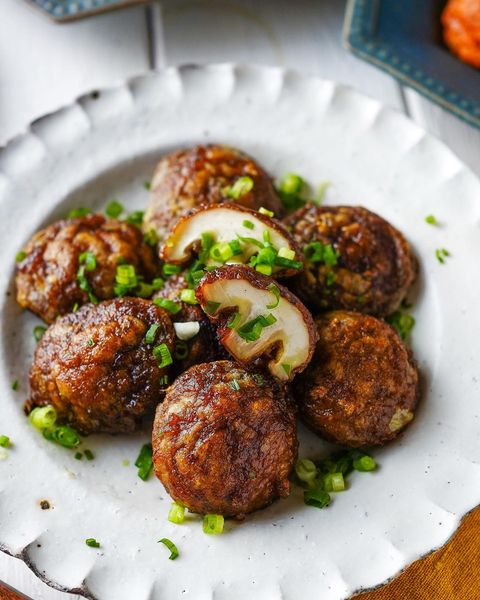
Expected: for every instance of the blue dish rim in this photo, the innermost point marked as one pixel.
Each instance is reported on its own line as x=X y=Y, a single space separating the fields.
x=359 y=38
x=59 y=11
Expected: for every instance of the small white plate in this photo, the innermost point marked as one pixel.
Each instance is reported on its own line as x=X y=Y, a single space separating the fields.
x=106 y=146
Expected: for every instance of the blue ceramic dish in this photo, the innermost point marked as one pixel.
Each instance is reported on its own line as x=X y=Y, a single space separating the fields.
x=69 y=10
x=404 y=38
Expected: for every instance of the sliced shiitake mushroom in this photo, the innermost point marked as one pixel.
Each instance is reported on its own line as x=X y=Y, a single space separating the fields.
x=232 y=234
x=258 y=320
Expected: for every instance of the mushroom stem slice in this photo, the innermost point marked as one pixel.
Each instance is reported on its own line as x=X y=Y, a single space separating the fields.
x=237 y=233
x=258 y=319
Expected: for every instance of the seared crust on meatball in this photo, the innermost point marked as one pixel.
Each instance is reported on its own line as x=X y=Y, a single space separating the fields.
x=374 y=267
x=224 y=440
x=96 y=368
x=203 y=347
x=200 y=175
x=362 y=385
x=46 y=279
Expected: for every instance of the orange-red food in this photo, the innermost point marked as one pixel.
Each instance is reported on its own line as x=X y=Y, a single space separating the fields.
x=461 y=29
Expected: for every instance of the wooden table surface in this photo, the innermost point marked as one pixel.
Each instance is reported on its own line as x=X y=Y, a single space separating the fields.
x=44 y=65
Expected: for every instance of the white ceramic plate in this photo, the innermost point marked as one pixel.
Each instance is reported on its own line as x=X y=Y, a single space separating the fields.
x=106 y=146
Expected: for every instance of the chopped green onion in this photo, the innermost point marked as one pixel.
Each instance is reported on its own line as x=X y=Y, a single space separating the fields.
x=169 y=305
x=252 y=330
x=402 y=322
x=334 y=482
x=89 y=454
x=250 y=240
x=213 y=524
x=169 y=269
x=273 y=289
x=235 y=385
x=290 y=190
x=64 y=436
x=264 y=269
x=87 y=262
x=171 y=546
x=79 y=212
x=287 y=253
x=235 y=247
x=114 y=209
x=441 y=254
x=314 y=251
x=211 y=307
x=150 y=335
x=15 y=385
x=163 y=381
x=20 y=256
x=221 y=252
x=306 y=470
x=75 y=307
x=78 y=456
x=43 y=417
x=242 y=186
x=91 y=342
x=234 y=320
x=163 y=353
x=135 y=218
x=330 y=256
x=248 y=224
x=291 y=183
x=208 y=240
x=5 y=441
x=364 y=463
x=287 y=368
x=431 y=220
x=147 y=185
x=181 y=350
x=330 y=278
x=264 y=211
x=151 y=238
x=196 y=276
x=126 y=275
x=92 y=543
x=188 y=296
x=176 y=513
x=287 y=263
x=144 y=462
x=317 y=497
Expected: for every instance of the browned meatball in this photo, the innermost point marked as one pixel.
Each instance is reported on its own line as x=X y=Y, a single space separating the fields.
x=97 y=369
x=47 y=279
x=362 y=262
x=202 y=347
x=362 y=385
x=200 y=175
x=224 y=440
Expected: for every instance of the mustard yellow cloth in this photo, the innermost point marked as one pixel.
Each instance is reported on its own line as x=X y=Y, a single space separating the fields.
x=450 y=573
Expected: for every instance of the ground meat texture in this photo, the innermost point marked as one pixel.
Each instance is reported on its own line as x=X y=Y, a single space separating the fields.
x=46 y=279
x=96 y=368
x=223 y=450
x=203 y=347
x=375 y=267
x=188 y=178
x=362 y=385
